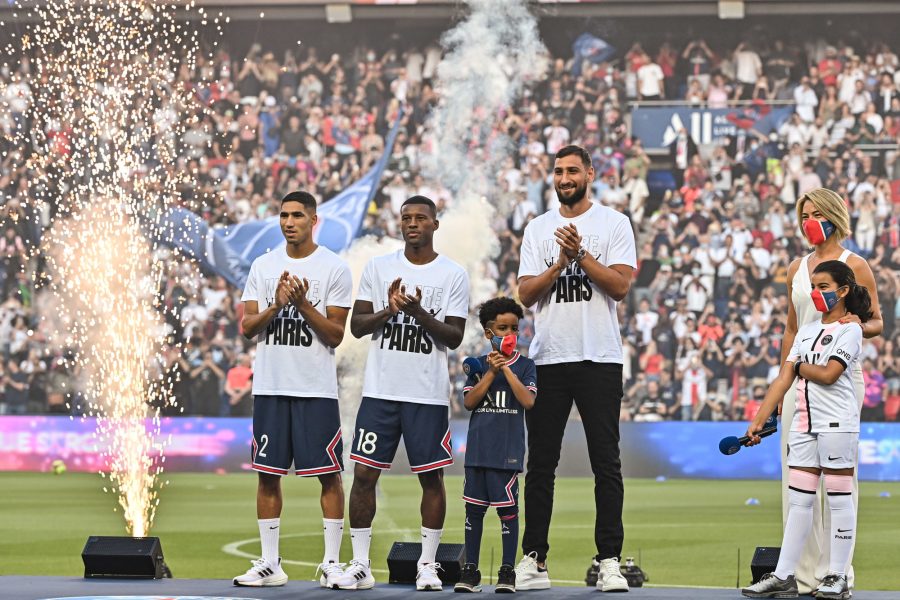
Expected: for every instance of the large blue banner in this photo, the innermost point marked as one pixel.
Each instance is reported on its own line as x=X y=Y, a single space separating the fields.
x=657 y=126
x=672 y=449
x=229 y=251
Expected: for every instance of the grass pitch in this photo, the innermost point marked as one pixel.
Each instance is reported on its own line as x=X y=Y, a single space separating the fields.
x=686 y=532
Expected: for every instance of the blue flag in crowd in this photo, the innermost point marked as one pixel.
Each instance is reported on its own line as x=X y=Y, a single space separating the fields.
x=590 y=47
x=230 y=251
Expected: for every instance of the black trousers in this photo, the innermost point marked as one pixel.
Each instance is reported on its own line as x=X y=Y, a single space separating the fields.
x=597 y=392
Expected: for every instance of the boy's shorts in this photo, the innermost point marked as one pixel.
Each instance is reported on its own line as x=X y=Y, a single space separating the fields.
x=491 y=487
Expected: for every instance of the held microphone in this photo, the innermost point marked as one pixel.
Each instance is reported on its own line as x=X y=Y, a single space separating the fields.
x=731 y=444
x=472 y=366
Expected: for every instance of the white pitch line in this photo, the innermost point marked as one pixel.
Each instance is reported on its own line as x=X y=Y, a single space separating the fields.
x=233 y=548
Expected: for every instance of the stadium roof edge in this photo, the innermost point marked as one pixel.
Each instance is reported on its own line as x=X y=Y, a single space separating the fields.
x=430 y=9
x=447 y=9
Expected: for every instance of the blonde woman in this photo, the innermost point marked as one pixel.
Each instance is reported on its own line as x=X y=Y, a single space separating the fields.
x=825 y=223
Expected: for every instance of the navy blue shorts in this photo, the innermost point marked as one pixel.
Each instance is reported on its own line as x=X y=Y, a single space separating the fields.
x=301 y=432
x=491 y=487
x=425 y=429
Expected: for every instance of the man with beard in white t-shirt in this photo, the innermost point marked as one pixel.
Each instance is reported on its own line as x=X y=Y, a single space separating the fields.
x=296 y=302
x=577 y=263
x=413 y=305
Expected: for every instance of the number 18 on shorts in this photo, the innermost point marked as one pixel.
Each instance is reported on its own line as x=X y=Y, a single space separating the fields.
x=425 y=429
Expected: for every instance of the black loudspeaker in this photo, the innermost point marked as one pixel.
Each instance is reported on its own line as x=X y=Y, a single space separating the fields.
x=765 y=559
x=124 y=557
x=403 y=561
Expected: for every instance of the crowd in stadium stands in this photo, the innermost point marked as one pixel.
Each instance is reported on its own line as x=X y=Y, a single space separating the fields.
x=703 y=322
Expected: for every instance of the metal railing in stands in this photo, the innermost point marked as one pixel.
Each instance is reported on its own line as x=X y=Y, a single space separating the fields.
x=632 y=104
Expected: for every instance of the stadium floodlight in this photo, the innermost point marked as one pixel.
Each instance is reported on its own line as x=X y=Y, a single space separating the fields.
x=124 y=557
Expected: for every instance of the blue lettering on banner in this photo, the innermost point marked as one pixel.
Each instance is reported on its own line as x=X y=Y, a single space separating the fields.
x=657 y=126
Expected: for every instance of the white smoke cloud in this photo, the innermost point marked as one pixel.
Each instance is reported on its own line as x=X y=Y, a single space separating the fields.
x=489 y=58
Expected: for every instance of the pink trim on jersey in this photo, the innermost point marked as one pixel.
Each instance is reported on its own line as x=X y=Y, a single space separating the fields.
x=842 y=484
x=801 y=410
x=826 y=331
x=803 y=480
x=514 y=358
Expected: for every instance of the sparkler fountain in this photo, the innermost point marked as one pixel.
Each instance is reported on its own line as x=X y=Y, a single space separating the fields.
x=98 y=142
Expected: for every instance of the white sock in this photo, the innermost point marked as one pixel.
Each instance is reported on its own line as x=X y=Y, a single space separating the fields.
x=269 y=529
x=843 y=525
x=431 y=538
x=361 y=538
x=334 y=531
x=799 y=524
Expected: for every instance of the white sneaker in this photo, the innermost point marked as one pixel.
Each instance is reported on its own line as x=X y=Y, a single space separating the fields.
x=610 y=578
x=833 y=587
x=358 y=576
x=427 y=579
x=331 y=574
x=262 y=574
x=529 y=576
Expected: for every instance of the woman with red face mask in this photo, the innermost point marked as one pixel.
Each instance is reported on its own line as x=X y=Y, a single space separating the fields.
x=825 y=223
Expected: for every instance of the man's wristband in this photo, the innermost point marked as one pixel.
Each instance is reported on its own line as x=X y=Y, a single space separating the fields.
x=797 y=368
x=580 y=256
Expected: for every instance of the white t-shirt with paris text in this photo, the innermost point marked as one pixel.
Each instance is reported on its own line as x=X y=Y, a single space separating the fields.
x=835 y=407
x=404 y=362
x=576 y=320
x=291 y=360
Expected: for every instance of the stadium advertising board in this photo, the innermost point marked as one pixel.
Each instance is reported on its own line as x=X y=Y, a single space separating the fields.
x=670 y=449
x=657 y=126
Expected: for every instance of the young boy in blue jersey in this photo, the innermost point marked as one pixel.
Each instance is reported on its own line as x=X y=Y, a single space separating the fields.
x=499 y=388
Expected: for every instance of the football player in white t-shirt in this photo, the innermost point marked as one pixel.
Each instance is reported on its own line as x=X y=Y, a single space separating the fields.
x=576 y=263
x=296 y=302
x=824 y=434
x=413 y=305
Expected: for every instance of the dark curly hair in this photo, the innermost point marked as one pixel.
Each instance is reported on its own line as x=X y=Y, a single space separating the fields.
x=488 y=311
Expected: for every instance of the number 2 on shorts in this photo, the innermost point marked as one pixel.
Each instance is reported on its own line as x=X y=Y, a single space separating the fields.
x=265 y=442
x=366 y=443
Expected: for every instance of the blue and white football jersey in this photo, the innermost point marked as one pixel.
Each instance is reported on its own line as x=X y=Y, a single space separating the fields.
x=496 y=438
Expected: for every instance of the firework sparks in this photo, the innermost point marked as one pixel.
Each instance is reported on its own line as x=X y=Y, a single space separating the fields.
x=98 y=143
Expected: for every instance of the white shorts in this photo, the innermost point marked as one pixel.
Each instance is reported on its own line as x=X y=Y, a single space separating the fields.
x=827 y=450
